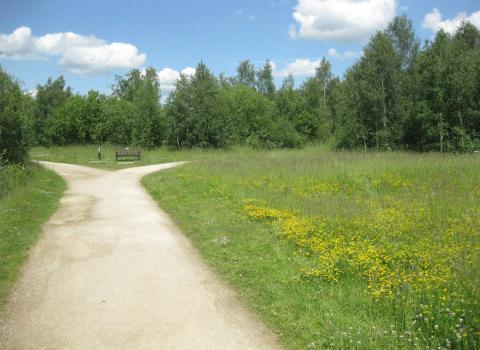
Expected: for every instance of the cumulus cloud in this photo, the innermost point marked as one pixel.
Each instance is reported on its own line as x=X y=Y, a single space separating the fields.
x=434 y=22
x=17 y=45
x=168 y=77
x=97 y=59
x=58 y=43
x=341 y=20
x=333 y=53
x=77 y=53
x=299 y=67
x=188 y=71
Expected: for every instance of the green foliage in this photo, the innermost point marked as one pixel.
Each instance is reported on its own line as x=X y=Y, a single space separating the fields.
x=246 y=74
x=117 y=122
x=196 y=112
x=14 y=113
x=402 y=97
x=143 y=92
x=249 y=111
x=67 y=120
x=265 y=84
x=48 y=99
x=373 y=82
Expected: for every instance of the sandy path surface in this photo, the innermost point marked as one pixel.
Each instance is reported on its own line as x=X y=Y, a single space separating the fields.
x=111 y=271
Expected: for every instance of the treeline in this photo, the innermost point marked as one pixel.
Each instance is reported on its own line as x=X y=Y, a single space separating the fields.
x=398 y=95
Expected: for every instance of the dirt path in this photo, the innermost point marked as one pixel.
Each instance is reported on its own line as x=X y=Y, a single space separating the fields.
x=112 y=272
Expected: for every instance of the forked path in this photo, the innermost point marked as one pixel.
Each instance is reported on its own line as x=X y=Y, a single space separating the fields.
x=111 y=271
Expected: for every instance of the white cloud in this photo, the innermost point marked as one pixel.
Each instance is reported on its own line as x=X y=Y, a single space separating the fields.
x=168 y=77
x=78 y=53
x=343 y=20
x=17 y=45
x=188 y=71
x=97 y=59
x=58 y=43
x=299 y=67
x=434 y=22
x=333 y=53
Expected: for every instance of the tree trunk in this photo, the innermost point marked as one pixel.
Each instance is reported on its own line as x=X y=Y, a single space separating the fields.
x=441 y=134
x=463 y=129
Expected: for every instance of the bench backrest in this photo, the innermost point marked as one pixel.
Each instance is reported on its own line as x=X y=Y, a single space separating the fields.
x=127 y=152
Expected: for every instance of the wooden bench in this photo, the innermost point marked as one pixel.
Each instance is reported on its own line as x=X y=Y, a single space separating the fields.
x=127 y=154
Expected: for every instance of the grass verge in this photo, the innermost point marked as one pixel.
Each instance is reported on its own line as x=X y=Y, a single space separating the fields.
x=30 y=196
x=340 y=250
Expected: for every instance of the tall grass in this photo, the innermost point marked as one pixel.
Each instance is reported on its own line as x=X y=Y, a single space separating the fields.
x=12 y=177
x=341 y=250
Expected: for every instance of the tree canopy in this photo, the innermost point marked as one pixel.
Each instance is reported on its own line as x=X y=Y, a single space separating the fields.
x=397 y=95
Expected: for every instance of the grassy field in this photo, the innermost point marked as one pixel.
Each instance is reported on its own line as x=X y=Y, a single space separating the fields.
x=340 y=250
x=87 y=155
x=28 y=196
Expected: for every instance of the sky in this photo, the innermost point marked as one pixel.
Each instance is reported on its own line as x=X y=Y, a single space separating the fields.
x=89 y=42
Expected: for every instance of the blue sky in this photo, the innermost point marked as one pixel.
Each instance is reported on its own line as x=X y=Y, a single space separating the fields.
x=79 y=39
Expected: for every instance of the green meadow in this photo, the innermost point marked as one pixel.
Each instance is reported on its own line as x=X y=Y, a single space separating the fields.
x=340 y=249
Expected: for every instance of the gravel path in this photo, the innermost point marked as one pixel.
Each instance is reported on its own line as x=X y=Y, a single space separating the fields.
x=111 y=271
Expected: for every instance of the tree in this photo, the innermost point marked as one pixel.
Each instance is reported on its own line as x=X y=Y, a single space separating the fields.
x=64 y=128
x=178 y=111
x=352 y=130
x=374 y=93
x=211 y=125
x=246 y=74
x=265 y=84
x=464 y=88
x=13 y=113
x=48 y=99
x=250 y=114
x=196 y=112
x=143 y=91
x=292 y=109
x=406 y=44
x=127 y=87
x=316 y=119
x=323 y=75
x=117 y=124
x=287 y=100
x=435 y=70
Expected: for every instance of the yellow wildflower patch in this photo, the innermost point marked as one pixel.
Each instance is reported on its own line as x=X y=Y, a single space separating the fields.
x=385 y=250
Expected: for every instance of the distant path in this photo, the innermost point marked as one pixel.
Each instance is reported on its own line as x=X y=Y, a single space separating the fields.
x=111 y=271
